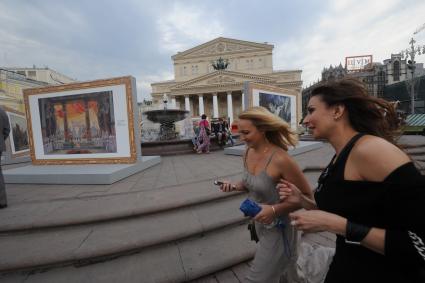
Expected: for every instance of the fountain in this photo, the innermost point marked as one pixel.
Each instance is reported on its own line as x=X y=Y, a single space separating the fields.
x=166 y=140
x=167 y=119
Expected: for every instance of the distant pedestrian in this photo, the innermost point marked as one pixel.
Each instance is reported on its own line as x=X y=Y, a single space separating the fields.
x=228 y=133
x=195 y=138
x=220 y=132
x=5 y=130
x=204 y=135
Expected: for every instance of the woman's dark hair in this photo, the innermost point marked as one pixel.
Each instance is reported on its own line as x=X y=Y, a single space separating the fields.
x=203 y=117
x=367 y=114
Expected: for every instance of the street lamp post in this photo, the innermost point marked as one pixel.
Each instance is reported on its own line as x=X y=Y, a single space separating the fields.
x=411 y=65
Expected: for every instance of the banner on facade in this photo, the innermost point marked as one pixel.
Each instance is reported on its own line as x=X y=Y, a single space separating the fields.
x=358 y=63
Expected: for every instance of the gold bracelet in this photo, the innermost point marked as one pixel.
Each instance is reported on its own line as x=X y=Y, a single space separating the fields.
x=274 y=211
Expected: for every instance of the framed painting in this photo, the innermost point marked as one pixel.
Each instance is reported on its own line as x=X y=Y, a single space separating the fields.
x=279 y=101
x=83 y=123
x=18 y=137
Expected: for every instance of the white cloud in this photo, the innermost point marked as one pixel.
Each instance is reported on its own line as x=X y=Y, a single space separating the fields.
x=184 y=26
x=144 y=89
x=349 y=28
x=180 y=28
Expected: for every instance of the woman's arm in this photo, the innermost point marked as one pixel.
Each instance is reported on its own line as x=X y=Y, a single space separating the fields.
x=293 y=182
x=289 y=193
x=289 y=170
x=318 y=221
x=239 y=186
x=406 y=244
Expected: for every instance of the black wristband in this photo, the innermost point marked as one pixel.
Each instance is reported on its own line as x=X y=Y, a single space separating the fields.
x=355 y=233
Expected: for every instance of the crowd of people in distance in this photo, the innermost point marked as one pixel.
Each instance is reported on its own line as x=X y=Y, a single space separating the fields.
x=219 y=129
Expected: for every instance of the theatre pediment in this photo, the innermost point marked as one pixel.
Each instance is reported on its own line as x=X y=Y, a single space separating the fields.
x=222 y=46
x=221 y=78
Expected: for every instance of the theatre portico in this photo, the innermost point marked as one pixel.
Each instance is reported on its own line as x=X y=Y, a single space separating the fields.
x=202 y=88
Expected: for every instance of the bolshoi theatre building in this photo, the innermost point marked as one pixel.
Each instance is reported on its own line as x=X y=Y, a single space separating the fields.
x=202 y=87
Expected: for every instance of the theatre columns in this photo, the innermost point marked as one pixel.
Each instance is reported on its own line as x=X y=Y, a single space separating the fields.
x=201 y=104
x=230 y=106
x=243 y=100
x=186 y=103
x=173 y=102
x=215 y=105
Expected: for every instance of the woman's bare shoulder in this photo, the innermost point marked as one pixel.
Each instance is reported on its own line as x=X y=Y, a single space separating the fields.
x=375 y=155
x=282 y=157
x=376 y=147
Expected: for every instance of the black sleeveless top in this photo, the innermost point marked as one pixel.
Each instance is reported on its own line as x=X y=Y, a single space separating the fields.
x=370 y=204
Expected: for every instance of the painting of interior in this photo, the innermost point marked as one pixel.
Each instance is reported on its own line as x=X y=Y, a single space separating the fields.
x=78 y=124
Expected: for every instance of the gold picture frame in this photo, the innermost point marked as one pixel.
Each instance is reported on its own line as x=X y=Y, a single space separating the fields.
x=272 y=98
x=83 y=123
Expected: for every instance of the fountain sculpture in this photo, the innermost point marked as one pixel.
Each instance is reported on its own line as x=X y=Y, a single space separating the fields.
x=167 y=119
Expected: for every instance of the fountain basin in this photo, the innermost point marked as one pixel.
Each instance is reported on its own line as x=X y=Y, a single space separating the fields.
x=166 y=115
x=175 y=147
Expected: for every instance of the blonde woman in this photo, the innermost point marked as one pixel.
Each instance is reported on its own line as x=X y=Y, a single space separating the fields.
x=266 y=161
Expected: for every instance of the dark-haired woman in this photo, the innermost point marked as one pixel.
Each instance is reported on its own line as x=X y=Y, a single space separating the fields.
x=370 y=195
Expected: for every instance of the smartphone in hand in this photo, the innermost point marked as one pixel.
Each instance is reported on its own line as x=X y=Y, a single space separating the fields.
x=219 y=183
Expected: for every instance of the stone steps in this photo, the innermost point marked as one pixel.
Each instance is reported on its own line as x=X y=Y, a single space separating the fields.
x=193 y=240
x=100 y=208
x=418 y=151
x=89 y=242
x=175 y=261
x=234 y=274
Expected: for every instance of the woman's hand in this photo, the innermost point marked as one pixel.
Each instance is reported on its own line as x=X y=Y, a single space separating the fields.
x=288 y=192
x=227 y=187
x=266 y=214
x=317 y=221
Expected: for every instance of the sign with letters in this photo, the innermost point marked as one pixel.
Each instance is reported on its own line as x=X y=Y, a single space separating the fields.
x=358 y=63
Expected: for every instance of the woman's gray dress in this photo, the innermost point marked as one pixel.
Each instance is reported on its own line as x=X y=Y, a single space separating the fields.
x=276 y=253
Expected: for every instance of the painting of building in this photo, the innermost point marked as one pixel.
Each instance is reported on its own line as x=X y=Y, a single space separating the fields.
x=18 y=142
x=19 y=133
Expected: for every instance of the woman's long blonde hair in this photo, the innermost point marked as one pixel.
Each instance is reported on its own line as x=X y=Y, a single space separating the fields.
x=277 y=131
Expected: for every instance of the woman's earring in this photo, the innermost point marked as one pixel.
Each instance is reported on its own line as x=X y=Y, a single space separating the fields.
x=336 y=118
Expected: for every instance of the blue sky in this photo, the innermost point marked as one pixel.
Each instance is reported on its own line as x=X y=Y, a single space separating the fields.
x=96 y=39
